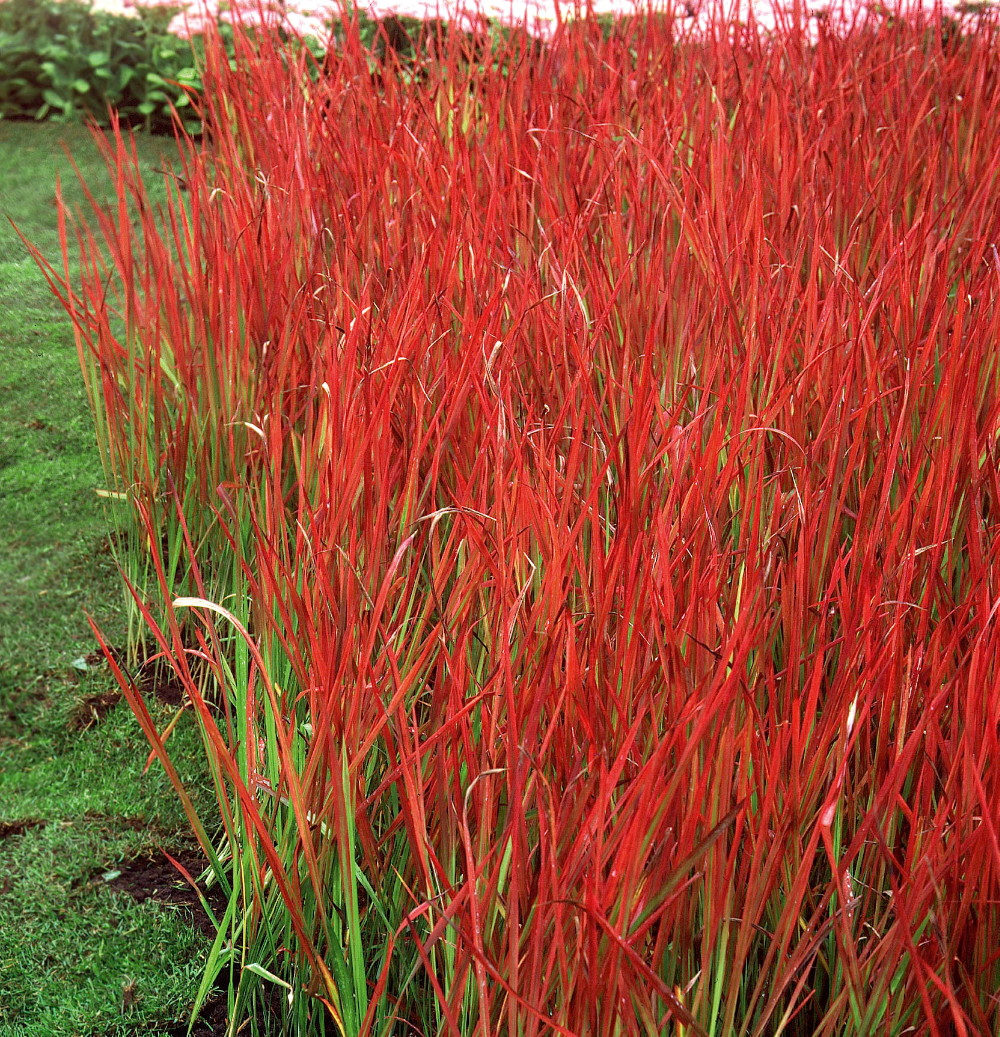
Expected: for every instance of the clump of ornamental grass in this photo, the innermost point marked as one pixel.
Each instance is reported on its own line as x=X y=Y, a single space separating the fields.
x=578 y=472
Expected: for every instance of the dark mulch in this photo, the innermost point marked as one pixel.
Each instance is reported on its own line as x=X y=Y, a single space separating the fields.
x=154 y=677
x=19 y=827
x=8 y=830
x=157 y=679
x=211 y=1022
x=153 y=877
x=94 y=708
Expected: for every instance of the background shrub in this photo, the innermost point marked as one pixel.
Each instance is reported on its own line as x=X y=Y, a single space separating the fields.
x=59 y=59
x=62 y=60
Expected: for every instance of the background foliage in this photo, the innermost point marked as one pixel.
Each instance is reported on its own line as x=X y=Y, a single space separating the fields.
x=60 y=59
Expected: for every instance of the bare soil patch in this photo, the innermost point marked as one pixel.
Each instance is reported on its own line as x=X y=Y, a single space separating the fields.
x=19 y=827
x=153 y=876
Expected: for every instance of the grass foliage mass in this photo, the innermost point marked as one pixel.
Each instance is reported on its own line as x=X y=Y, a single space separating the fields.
x=566 y=487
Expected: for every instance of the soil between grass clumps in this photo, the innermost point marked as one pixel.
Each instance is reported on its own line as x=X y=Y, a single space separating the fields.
x=153 y=876
x=94 y=708
x=157 y=678
x=212 y=1021
x=12 y=828
x=154 y=677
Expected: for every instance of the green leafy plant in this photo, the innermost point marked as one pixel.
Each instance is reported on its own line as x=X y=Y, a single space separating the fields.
x=60 y=59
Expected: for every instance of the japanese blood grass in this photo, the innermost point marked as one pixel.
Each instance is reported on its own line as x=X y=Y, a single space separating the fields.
x=582 y=472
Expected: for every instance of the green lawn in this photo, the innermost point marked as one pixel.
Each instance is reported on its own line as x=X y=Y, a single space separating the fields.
x=77 y=956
